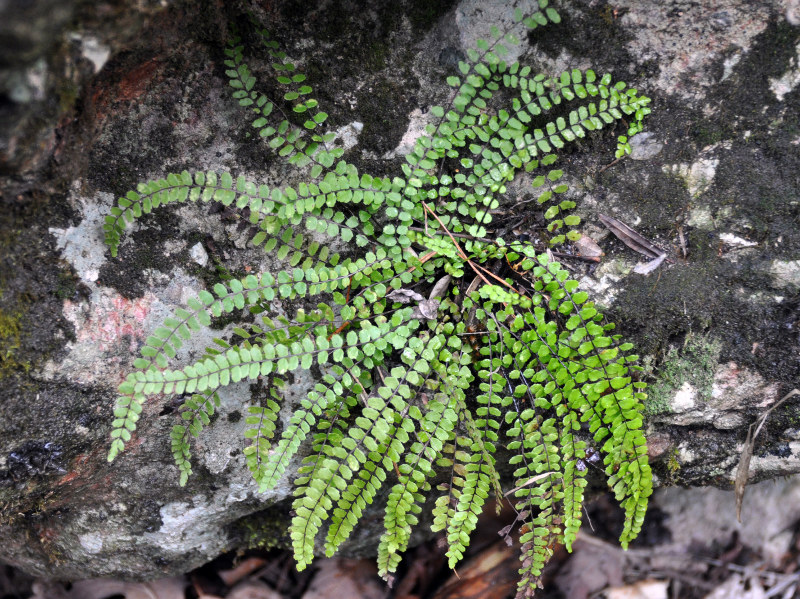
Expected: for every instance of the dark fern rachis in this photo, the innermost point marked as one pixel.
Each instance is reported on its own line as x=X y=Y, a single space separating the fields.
x=395 y=404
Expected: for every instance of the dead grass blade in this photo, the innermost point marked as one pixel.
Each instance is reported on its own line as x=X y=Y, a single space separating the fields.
x=743 y=470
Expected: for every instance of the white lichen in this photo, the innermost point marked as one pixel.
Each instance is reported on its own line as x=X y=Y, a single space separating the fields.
x=784 y=84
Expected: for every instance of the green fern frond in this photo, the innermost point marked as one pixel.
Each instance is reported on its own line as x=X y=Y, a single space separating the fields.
x=196 y=412
x=434 y=430
x=300 y=145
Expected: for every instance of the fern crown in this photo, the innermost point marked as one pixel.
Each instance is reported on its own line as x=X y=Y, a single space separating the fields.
x=438 y=346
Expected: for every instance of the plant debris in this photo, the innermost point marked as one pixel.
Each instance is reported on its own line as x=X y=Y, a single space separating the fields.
x=631 y=238
x=743 y=471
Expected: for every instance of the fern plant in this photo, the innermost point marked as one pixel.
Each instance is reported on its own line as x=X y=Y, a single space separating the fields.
x=417 y=393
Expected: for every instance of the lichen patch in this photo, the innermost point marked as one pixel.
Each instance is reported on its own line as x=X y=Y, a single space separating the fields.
x=784 y=84
x=785 y=273
x=82 y=245
x=687 y=42
x=685 y=398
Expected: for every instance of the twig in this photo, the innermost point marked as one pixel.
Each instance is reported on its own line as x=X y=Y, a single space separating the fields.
x=492 y=241
x=631 y=238
x=694 y=581
x=475 y=267
x=743 y=470
x=682 y=240
x=528 y=482
x=778 y=582
x=609 y=165
x=459 y=235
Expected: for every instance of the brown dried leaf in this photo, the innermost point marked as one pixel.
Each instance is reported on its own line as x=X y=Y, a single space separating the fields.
x=588 y=248
x=253 y=589
x=342 y=578
x=591 y=568
x=241 y=570
x=630 y=237
x=164 y=588
x=641 y=589
x=424 y=566
x=505 y=533
x=492 y=574
x=737 y=586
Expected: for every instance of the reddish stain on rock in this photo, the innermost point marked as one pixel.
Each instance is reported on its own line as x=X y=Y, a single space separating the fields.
x=133 y=84
x=112 y=318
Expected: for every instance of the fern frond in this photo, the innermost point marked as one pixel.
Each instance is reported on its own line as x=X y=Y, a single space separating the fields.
x=435 y=428
x=335 y=390
x=250 y=361
x=362 y=488
x=508 y=142
x=196 y=413
x=316 y=494
x=309 y=206
x=262 y=420
x=299 y=145
x=540 y=488
x=473 y=476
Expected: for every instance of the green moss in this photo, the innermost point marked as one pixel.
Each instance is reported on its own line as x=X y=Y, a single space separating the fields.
x=67 y=285
x=10 y=337
x=706 y=133
x=376 y=56
x=67 y=95
x=695 y=364
x=673 y=464
x=264 y=530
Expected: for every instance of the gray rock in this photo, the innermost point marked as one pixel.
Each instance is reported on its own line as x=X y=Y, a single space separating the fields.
x=709 y=516
x=645 y=146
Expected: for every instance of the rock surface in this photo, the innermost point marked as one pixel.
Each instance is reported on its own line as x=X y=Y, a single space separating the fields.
x=718 y=327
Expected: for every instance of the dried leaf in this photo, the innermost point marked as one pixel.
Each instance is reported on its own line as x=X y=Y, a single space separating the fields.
x=630 y=237
x=424 y=572
x=342 y=578
x=492 y=574
x=440 y=288
x=642 y=589
x=164 y=588
x=645 y=268
x=740 y=587
x=404 y=296
x=253 y=589
x=587 y=247
x=591 y=568
x=427 y=309
x=241 y=570
x=682 y=240
x=505 y=533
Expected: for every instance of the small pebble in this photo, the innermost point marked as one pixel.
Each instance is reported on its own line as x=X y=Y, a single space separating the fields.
x=645 y=146
x=198 y=254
